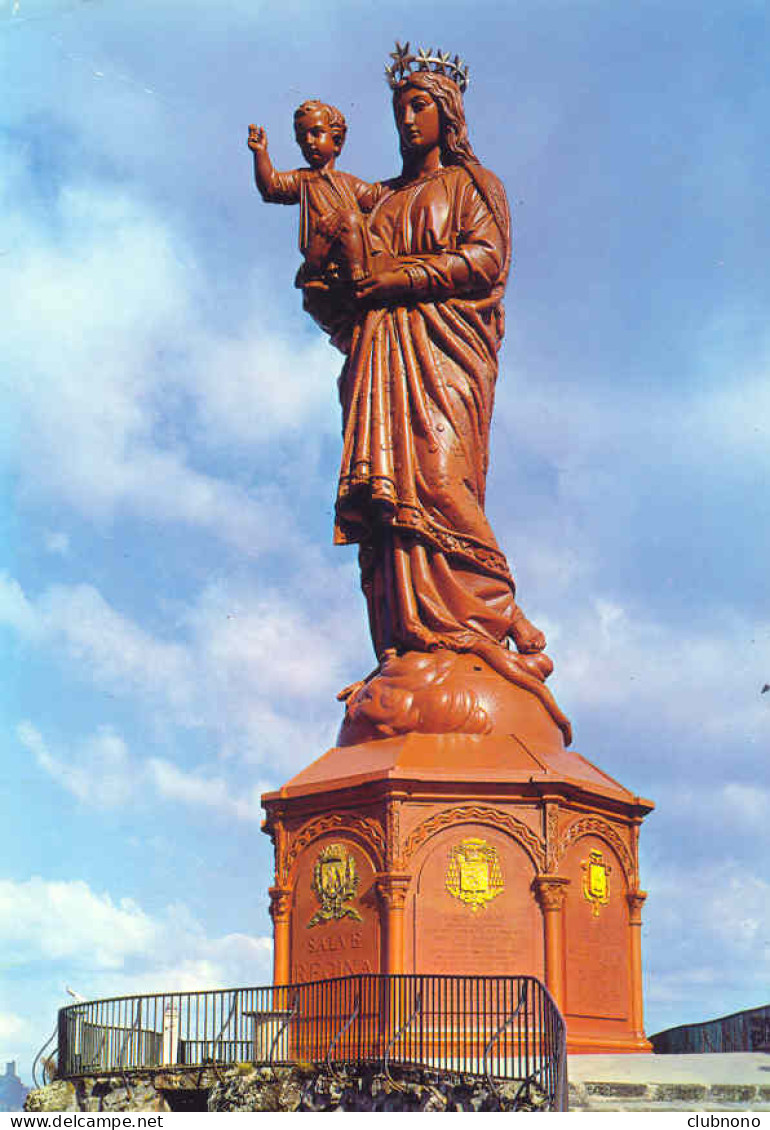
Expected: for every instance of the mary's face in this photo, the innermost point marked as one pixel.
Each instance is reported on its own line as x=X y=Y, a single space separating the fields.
x=417 y=119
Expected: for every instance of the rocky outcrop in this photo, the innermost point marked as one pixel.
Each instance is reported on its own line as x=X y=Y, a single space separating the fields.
x=360 y=1089
x=249 y=1088
x=98 y=1094
x=59 y=1095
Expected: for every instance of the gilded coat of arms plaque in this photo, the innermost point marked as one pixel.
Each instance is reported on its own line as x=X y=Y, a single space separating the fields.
x=335 y=883
x=474 y=875
x=596 y=881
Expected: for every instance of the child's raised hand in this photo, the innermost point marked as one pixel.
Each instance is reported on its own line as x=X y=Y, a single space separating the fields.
x=257 y=139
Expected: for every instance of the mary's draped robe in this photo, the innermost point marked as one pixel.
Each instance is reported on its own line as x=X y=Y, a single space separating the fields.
x=417 y=393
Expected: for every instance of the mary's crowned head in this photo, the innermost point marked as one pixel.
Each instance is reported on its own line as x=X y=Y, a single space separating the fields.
x=443 y=82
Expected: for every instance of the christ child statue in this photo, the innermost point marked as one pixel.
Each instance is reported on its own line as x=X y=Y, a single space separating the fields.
x=332 y=233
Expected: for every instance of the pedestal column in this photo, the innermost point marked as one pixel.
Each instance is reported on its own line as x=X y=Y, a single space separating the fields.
x=551 y=891
x=636 y=901
x=280 y=912
x=392 y=888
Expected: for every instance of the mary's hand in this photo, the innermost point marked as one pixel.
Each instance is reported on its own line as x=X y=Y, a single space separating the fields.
x=385 y=287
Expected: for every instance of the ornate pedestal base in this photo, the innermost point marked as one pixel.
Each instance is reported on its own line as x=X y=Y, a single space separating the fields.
x=473 y=853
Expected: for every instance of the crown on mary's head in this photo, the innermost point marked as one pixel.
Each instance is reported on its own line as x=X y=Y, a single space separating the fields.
x=406 y=63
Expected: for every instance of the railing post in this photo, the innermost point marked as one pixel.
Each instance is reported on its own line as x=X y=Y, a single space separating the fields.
x=170 y=1033
x=64 y=1043
x=280 y=912
x=551 y=891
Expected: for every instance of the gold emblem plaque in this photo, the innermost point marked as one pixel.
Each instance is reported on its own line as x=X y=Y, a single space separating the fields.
x=474 y=875
x=335 y=883
x=596 y=881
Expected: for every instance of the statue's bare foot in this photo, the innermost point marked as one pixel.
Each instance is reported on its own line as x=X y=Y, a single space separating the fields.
x=526 y=636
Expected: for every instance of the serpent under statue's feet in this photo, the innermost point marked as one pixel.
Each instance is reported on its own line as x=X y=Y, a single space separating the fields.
x=512 y=664
x=489 y=690
x=525 y=635
x=539 y=664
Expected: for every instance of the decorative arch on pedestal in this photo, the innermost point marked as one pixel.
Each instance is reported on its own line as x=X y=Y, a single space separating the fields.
x=472 y=868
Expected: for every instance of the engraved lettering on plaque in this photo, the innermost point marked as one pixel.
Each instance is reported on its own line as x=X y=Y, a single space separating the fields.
x=474 y=875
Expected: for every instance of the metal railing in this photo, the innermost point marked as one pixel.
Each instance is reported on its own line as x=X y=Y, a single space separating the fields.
x=506 y=1029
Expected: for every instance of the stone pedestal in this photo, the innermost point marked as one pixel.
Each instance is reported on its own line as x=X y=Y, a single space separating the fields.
x=497 y=852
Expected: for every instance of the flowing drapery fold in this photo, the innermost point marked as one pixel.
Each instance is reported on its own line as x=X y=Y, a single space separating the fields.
x=417 y=394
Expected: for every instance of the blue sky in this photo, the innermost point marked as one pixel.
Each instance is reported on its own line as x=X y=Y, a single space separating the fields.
x=175 y=622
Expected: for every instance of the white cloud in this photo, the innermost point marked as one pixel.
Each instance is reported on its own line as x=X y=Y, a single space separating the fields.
x=749 y=805
x=595 y=441
x=68 y=923
x=112 y=647
x=742 y=808
x=65 y=933
x=708 y=941
x=16 y=611
x=53 y=921
x=102 y=773
x=232 y=961
x=105 y=340
x=259 y=672
x=296 y=651
x=11 y=1026
x=205 y=791
x=56 y=541
x=259 y=386
x=611 y=656
x=557 y=569
x=735 y=419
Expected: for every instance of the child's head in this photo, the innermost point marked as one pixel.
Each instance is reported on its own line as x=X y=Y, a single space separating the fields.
x=320 y=131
